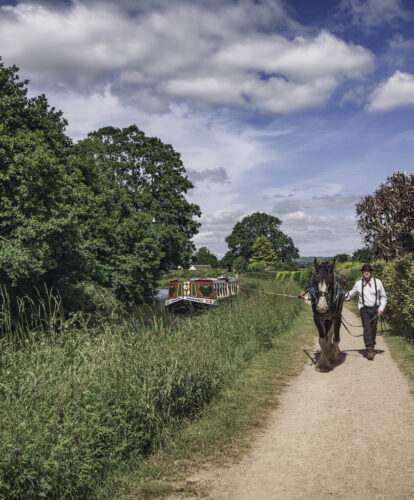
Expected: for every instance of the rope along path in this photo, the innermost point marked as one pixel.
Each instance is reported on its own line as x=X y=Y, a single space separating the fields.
x=343 y=321
x=271 y=293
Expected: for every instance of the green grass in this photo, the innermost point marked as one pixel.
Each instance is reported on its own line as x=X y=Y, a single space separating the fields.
x=403 y=353
x=227 y=426
x=83 y=403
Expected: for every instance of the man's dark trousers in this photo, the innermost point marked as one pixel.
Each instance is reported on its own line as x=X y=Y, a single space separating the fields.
x=369 y=317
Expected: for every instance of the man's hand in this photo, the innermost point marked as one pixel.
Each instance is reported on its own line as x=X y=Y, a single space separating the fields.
x=379 y=313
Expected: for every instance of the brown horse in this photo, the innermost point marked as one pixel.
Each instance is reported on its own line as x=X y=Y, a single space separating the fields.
x=327 y=290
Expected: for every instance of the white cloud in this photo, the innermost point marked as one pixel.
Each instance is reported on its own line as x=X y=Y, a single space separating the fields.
x=215 y=227
x=207 y=55
x=396 y=92
x=321 y=234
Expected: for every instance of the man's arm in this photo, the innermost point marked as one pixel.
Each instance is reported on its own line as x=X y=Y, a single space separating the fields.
x=350 y=295
x=383 y=298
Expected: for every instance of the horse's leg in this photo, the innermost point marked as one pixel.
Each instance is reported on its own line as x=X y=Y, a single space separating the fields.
x=323 y=364
x=335 y=351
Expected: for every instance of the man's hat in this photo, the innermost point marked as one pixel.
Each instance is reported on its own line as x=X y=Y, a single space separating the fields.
x=366 y=267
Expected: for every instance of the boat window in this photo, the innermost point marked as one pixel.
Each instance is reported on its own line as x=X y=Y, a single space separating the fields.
x=193 y=290
x=180 y=290
x=171 y=291
x=206 y=290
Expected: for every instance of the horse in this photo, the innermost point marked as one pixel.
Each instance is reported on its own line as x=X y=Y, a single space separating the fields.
x=327 y=290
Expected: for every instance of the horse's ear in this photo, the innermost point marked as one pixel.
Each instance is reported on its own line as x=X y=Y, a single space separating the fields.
x=316 y=264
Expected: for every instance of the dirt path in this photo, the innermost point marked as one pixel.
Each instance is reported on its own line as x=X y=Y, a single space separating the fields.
x=346 y=434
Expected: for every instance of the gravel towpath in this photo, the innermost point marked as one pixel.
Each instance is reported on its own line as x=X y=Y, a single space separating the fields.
x=345 y=434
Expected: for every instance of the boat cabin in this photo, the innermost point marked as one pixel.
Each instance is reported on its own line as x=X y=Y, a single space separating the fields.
x=200 y=292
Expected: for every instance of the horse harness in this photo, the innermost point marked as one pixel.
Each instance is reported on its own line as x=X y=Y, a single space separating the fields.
x=339 y=287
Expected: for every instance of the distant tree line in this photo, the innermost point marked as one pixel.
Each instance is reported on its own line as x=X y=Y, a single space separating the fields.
x=255 y=239
x=110 y=208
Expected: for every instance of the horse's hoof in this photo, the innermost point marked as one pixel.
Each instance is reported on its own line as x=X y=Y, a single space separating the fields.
x=336 y=356
x=325 y=367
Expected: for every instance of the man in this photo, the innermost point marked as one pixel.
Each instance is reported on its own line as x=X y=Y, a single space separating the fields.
x=371 y=303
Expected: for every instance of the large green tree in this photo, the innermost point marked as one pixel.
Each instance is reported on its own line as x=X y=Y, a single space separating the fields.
x=246 y=232
x=136 y=212
x=39 y=235
x=203 y=256
x=386 y=218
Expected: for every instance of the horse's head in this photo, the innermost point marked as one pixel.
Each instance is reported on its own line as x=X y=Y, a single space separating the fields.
x=322 y=286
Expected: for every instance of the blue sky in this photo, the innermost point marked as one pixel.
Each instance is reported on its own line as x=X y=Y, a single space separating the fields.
x=293 y=108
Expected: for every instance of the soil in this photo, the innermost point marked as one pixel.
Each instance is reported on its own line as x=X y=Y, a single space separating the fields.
x=344 y=434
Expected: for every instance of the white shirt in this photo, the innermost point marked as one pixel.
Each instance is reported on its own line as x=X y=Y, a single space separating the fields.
x=369 y=293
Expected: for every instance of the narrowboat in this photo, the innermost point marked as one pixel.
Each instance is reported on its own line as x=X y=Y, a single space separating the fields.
x=200 y=293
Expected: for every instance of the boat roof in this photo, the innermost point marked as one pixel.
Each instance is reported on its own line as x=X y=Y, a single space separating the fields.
x=220 y=279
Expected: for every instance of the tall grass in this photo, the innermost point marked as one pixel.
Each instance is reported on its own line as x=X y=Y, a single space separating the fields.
x=74 y=409
x=25 y=320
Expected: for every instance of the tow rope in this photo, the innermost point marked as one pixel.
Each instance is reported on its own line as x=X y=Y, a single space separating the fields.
x=381 y=332
x=273 y=293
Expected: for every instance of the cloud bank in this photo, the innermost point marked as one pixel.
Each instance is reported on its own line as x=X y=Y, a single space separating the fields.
x=205 y=54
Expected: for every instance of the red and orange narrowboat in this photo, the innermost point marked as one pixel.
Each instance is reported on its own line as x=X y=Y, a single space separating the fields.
x=200 y=292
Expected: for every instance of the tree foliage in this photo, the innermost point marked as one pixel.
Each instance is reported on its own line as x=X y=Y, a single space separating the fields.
x=240 y=264
x=227 y=260
x=39 y=235
x=136 y=220
x=342 y=257
x=203 y=256
x=362 y=255
x=262 y=251
x=386 y=218
x=246 y=232
x=111 y=208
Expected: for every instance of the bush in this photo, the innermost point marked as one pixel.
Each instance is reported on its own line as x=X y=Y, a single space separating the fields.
x=398 y=279
x=257 y=266
x=240 y=264
x=301 y=277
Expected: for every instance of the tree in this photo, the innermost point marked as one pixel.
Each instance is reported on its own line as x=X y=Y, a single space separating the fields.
x=342 y=257
x=245 y=233
x=227 y=260
x=150 y=179
x=362 y=255
x=262 y=251
x=240 y=264
x=39 y=234
x=203 y=256
x=386 y=218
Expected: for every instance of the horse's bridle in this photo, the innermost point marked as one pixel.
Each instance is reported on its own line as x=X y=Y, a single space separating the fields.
x=316 y=294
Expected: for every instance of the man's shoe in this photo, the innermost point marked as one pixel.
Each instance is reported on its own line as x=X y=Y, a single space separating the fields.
x=370 y=353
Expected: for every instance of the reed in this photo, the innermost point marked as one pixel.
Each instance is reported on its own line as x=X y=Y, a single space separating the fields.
x=111 y=391
x=25 y=320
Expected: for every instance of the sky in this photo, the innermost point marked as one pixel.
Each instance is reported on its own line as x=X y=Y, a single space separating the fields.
x=294 y=108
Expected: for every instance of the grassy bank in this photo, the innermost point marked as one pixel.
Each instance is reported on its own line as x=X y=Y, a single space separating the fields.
x=228 y=424
x=83 y=403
